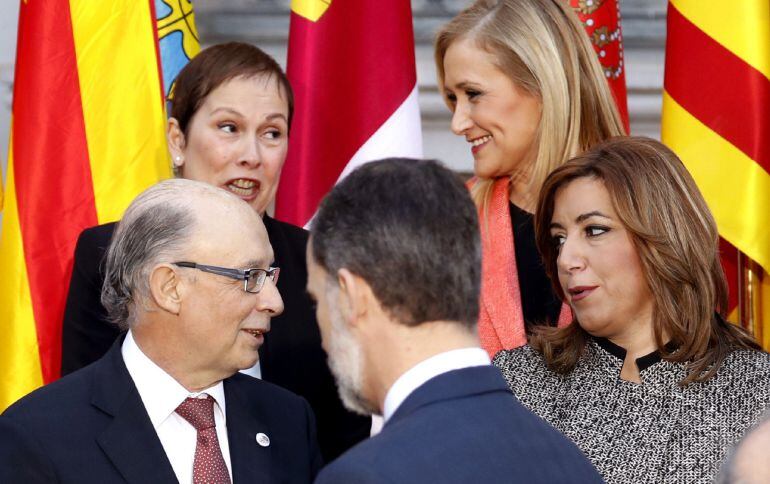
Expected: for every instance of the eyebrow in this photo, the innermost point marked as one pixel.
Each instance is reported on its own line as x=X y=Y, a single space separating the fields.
x=235 y=112
x=581 y=218
x=273 y=116
x=462 y=85
x=227 y=110
x=254 y=263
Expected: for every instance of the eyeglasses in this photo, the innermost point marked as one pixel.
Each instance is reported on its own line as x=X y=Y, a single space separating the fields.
x=253 y=279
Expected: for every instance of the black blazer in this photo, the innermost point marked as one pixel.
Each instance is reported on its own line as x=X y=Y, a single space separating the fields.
x=463 y=426
x=291 y=357
x=91 y=426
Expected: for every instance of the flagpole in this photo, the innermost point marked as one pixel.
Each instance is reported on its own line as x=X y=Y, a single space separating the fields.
x=741 y=286
x=753 y=271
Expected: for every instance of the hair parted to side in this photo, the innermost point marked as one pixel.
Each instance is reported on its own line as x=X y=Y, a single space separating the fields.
x=409 y=228
x=676 y=237
x=216 y=65
x=155 y=227
x=543 y=48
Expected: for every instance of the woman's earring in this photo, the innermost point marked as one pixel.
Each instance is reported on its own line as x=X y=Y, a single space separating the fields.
x=177 y=160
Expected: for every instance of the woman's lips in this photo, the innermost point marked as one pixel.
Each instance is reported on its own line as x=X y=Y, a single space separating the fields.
x=578 y=293
x=245 y=188
x=479 y=143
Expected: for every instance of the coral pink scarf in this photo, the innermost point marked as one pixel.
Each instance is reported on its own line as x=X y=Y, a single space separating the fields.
x=501 y=320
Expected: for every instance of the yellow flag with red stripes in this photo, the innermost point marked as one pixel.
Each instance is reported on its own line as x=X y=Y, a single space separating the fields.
x=87 y=135
x=716 y=117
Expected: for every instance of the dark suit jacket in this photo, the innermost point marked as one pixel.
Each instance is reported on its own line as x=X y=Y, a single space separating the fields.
x=291 y=357
x=91 y=426
x=463 y=427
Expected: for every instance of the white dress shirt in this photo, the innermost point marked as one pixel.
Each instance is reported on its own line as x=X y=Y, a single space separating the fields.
x=161 y=395
x=427 y=369
x=255 y=371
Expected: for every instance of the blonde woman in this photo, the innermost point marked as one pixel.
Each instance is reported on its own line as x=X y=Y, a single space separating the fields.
x=527 y=93
x=650 y=381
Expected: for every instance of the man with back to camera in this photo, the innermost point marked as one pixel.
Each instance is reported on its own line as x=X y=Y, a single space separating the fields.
x=188 y=272
x=394 y=263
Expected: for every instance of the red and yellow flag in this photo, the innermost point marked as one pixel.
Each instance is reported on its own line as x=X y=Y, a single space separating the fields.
x=716 y=117
x=87 y=135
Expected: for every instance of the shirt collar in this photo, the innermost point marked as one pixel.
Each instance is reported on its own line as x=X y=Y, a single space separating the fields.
x=436 y=365
x=643 y=362
x=161 y=394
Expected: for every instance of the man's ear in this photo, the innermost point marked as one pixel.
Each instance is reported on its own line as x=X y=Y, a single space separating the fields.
x=355 y=296
x=165 y=288
x=176 y=142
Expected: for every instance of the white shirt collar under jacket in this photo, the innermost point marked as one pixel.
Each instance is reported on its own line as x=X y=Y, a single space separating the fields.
x=427 y=369
x=161 y=395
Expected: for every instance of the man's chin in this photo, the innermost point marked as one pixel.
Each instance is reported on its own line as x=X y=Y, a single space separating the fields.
x=355 y=402
x=248 y=362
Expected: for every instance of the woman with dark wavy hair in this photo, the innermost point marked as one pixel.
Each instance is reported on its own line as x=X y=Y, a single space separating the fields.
x=650 y=380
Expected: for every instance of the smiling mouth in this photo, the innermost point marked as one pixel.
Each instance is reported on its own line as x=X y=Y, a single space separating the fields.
x=254 y=332
x=478 y=143
x=243 y=187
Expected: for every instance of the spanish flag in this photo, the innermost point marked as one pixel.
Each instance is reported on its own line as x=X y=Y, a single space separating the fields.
x=87 y=135
x=716 y=117
x=351 y=65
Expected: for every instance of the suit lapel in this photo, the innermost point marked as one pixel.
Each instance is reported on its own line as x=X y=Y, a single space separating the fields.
x=251 y=462
x=130 y=441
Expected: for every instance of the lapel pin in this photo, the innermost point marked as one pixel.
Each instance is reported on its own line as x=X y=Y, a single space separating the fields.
x=263 y=439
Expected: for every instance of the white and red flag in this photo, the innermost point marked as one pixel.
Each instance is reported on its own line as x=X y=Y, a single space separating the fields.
x=351 y=65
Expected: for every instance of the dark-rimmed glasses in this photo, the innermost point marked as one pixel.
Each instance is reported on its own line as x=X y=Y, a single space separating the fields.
x=253 y=279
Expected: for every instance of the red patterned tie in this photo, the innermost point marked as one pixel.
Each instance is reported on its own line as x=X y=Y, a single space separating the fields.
x=209 y=465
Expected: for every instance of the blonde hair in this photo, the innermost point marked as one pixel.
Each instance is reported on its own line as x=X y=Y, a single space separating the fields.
x=676 y=238
x=542 y=47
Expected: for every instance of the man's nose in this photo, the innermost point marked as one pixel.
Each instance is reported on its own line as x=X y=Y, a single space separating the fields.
x=269 y=299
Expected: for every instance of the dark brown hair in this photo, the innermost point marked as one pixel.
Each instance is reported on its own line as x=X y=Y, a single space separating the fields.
x=216 y=65
x=400 y=218
x=676 y=238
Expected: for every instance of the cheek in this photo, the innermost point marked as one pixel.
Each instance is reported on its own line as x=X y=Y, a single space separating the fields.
x=562 y=276
x=639 y=291
x=207 y=157
x=273 y=162
x=323 y=321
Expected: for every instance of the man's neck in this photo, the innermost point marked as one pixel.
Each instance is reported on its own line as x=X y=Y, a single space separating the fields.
x=193 y=381
x=405 y=348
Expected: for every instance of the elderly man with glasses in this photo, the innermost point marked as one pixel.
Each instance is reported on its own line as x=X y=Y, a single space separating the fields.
x=189 y=274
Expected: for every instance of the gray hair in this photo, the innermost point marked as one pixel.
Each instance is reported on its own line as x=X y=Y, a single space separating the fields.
x=156 y=225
